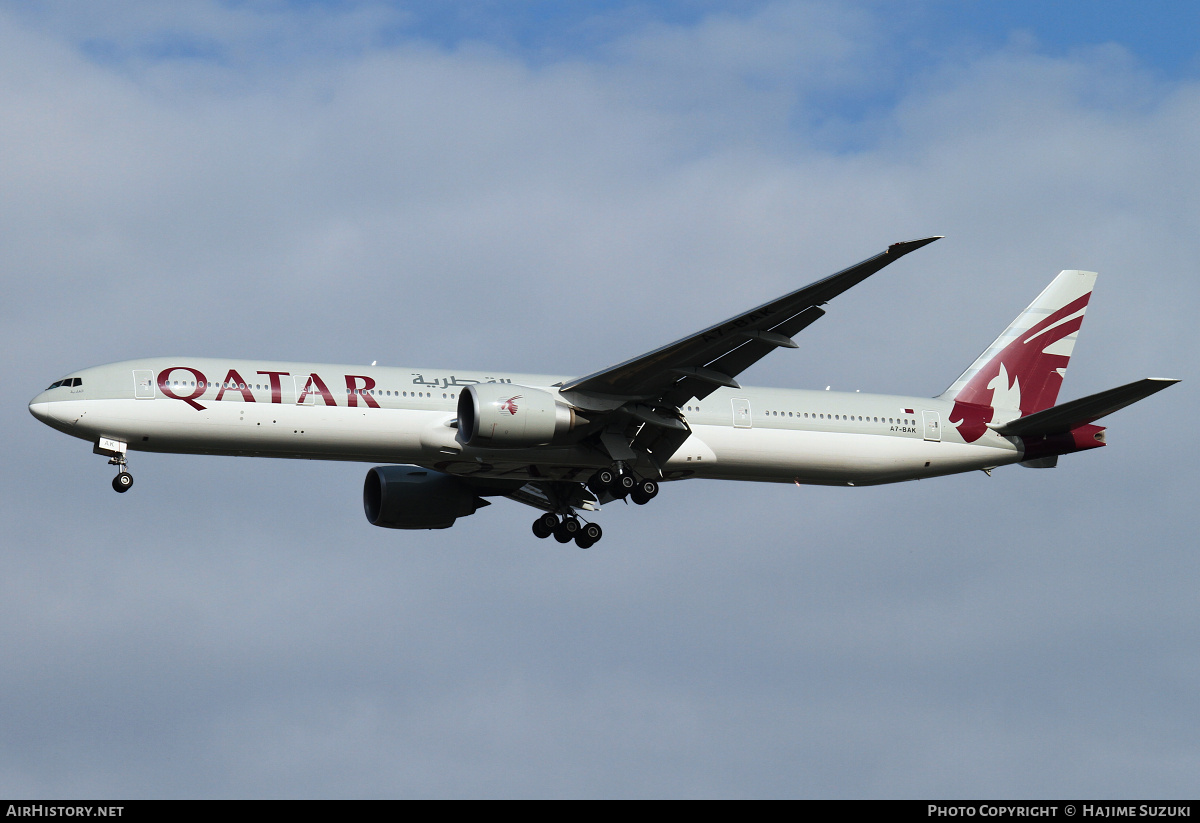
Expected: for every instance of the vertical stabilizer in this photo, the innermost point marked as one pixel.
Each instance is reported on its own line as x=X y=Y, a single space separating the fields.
x=1022 y=371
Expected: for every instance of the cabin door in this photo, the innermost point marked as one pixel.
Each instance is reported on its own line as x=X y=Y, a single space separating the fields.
x=741 y=413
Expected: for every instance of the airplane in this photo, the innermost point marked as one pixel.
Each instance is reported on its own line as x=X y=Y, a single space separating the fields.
x=451 y=438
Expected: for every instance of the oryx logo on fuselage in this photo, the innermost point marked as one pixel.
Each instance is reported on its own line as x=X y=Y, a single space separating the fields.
x=510 y=405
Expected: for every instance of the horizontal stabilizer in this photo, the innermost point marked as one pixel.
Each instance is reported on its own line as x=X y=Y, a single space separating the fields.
x=1068 y=416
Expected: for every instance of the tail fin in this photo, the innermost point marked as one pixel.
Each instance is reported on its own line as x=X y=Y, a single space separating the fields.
x=1022 y=371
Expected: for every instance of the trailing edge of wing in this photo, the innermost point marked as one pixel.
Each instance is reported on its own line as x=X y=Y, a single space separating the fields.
x=1065 y=417
x=694 y=366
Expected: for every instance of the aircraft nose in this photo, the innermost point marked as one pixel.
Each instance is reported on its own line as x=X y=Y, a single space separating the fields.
x=39 y=407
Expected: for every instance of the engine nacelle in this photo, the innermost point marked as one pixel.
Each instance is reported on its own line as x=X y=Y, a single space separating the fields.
x=508 y=416
x=408 y=497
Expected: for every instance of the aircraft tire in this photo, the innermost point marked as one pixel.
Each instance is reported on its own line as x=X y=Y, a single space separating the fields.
x=622 y=485
x=123 y=482
x=565 y=531
x=591 y=533
x=540 y=530
x=600 y=481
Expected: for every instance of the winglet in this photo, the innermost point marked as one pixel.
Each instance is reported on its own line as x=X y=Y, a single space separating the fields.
x=901 y=249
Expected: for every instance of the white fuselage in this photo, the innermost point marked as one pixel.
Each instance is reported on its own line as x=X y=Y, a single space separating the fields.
x=400 y=415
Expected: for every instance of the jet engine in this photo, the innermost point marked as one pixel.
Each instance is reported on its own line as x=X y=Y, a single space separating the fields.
x=508 y=416
x=408 y=497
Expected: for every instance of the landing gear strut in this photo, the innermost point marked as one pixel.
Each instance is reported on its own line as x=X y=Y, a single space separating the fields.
x=566 y=529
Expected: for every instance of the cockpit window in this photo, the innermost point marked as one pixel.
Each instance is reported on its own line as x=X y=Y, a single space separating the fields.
x=70 y=381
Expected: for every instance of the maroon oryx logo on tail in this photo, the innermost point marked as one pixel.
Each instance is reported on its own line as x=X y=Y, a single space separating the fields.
x=510 y=405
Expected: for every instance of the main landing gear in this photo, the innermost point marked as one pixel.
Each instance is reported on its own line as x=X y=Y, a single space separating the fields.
x=618 y=482
x=568 y=528
x=621 y=483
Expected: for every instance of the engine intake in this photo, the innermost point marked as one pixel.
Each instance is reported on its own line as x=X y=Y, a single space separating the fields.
x=408 y=497
x=508 y=416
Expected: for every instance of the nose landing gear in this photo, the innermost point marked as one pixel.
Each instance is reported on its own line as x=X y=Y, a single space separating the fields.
x=115 y=451
x=123 y=482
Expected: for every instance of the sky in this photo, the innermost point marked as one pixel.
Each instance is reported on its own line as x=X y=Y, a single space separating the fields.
x=554 y=188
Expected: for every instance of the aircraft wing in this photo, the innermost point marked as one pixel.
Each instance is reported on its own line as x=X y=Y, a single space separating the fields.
x=698 y=365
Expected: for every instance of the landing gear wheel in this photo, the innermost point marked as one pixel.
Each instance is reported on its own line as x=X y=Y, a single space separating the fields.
x=622 y=485
x=644 y=492
x=588 y=536
x=601 y=480
x=123 y=482
x=565 y=531
x=544 y=526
